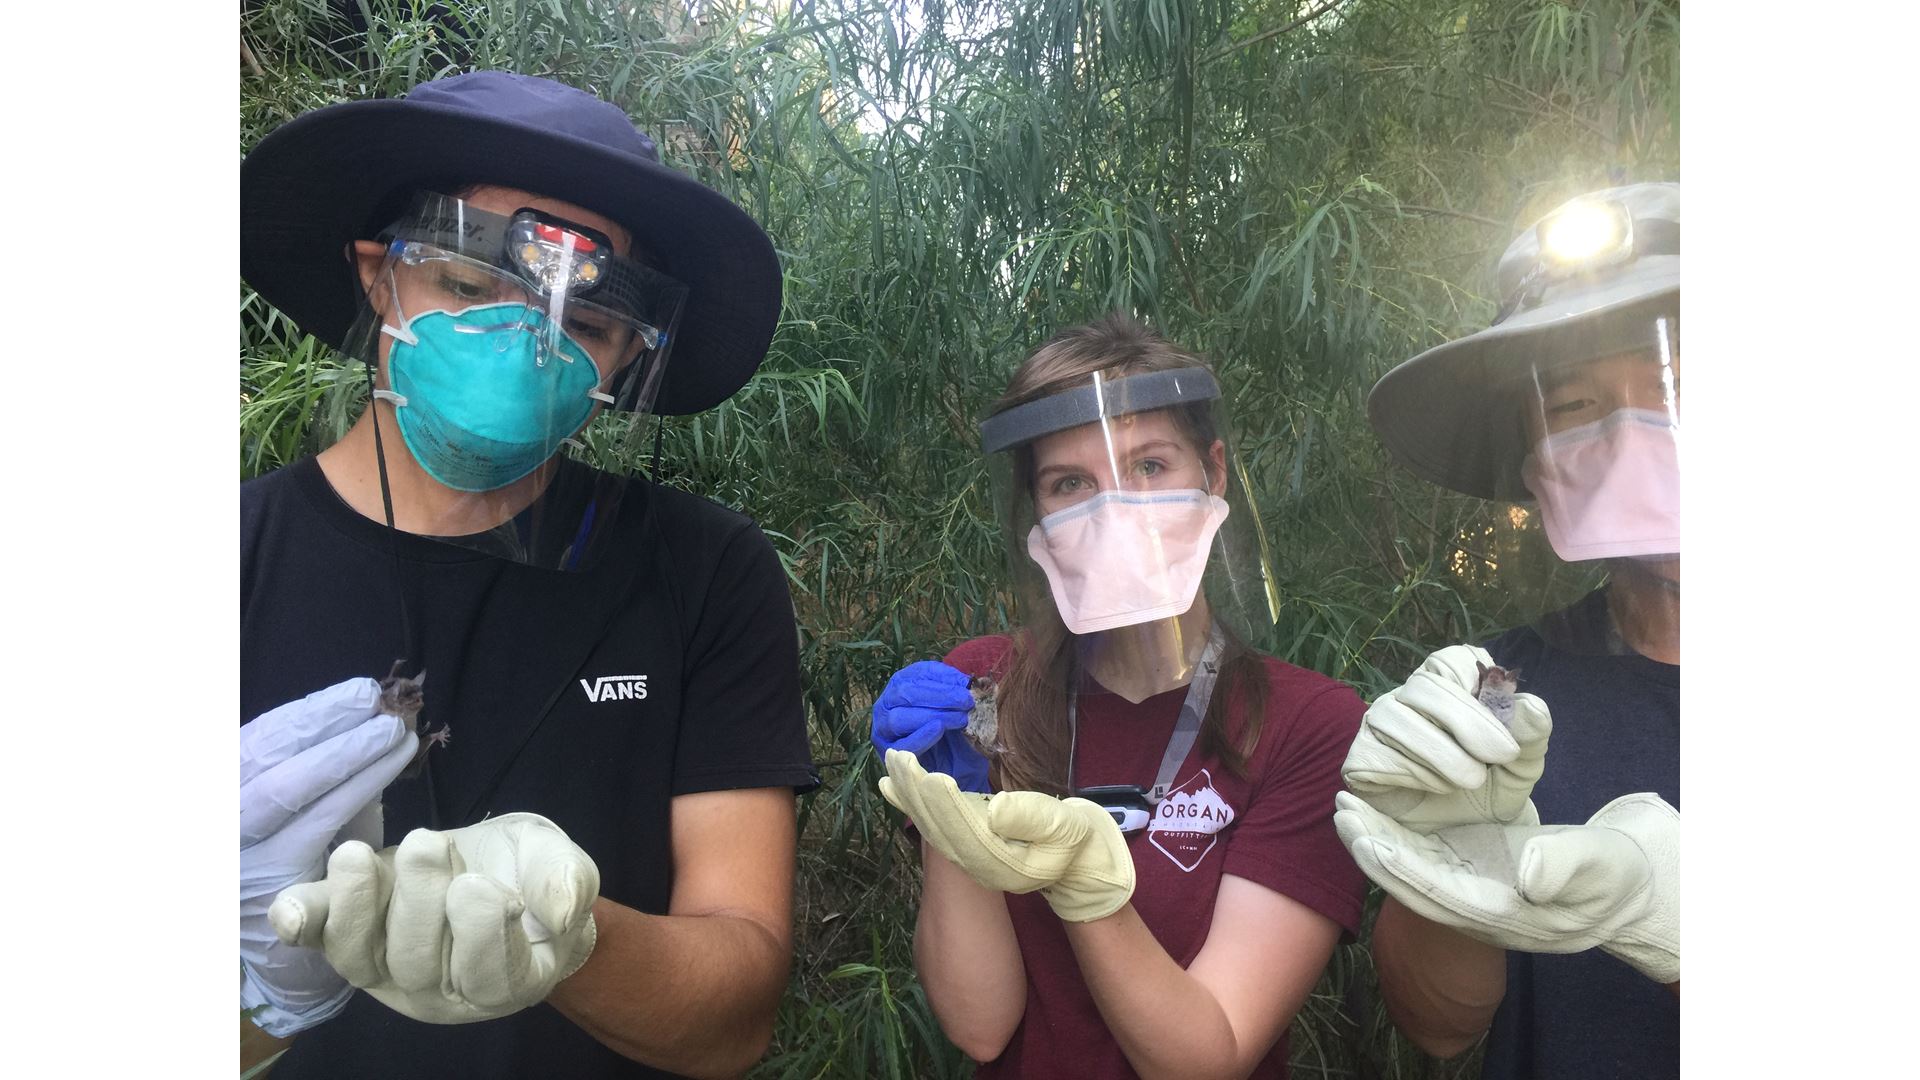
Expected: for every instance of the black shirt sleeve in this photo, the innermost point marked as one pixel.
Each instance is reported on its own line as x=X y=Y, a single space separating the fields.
x=742 y=723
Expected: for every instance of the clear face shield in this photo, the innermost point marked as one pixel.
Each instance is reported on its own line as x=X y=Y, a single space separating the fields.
x=1138 y=565
x=497 y=341
x=1130 y=535
x=1591 y=463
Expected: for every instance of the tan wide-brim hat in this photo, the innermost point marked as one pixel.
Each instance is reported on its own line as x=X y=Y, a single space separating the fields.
x=1452 y=414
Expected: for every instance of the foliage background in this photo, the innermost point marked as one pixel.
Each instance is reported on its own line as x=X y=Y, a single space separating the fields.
x=1308 y=193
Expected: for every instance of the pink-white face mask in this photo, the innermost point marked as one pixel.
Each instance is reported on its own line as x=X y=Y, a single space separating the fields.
x=1126 y=557
x=1610 y=488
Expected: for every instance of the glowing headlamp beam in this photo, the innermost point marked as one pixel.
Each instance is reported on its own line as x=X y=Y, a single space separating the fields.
x=1582 y=233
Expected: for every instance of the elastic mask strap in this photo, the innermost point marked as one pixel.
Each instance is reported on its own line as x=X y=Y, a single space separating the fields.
x=596 y=395
x=398 y=333
x=1186 y=730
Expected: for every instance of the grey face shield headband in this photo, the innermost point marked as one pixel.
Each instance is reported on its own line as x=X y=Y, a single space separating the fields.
x=1098 y=400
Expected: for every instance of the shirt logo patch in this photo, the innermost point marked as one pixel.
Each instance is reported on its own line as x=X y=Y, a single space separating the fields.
x=1186 y=823
x=616 y=688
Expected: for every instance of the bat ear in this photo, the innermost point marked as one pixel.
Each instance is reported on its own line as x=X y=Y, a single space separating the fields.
x=1483 y=668
x=420 y=680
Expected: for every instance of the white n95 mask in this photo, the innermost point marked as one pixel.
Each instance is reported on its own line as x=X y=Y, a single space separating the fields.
x=1126 y=557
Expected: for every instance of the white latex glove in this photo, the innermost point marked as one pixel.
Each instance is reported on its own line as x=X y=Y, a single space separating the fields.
x=1430 y=755
x=1613 y=883
x=311 y=773
x=452 y=927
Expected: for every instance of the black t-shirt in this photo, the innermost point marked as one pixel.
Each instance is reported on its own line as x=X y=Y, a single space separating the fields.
x=1616 y=731
x=591 y=697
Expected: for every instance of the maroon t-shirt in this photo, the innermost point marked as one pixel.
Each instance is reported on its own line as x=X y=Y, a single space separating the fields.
x=1273 y=827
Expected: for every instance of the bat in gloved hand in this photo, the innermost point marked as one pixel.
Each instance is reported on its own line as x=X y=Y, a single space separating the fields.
x=404 y=697
x=1496 y=688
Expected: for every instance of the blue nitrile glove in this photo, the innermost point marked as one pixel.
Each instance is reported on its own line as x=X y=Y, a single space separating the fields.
x=311 y=773
x=923 y=711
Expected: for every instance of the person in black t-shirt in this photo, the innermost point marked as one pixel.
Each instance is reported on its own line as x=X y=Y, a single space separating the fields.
x=585 y=837
x=1539 y=893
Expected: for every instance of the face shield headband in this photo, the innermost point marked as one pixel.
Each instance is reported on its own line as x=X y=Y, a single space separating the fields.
x=1099 y=400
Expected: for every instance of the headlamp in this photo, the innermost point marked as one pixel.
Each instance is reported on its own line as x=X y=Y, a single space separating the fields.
x=555 y=254
x=1586 y=236
x=1583 y=238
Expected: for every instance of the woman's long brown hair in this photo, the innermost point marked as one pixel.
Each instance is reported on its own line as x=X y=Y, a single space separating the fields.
x=1032 y=703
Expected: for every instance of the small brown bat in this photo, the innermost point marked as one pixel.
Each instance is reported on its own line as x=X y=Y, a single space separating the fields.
x=404 y=697
x=1496 y=689
x=983 y=727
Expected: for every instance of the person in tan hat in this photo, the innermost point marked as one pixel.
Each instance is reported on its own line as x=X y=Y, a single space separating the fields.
x=521 y=737
x=1534 y=896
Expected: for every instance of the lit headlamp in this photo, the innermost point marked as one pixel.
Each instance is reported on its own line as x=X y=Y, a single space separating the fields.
x=1587 y=237
x=555 y=254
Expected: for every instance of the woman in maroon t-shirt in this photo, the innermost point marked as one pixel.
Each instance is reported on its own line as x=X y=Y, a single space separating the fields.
x=1179 y=931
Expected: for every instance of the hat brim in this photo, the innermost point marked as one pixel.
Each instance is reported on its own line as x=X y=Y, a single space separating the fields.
x=308 y=190
x=1449 y=414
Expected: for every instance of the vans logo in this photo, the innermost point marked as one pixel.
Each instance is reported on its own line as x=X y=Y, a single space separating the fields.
x=616 y=688
x=1188 y=821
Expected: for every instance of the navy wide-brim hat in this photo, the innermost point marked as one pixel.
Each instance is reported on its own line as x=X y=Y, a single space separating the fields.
x=315 y=185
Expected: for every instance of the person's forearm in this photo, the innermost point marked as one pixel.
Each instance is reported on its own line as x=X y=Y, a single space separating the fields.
x=1441 y=987
x=1167 y=1023
x=968 y=959
x=692 y=994
x=257 y=1046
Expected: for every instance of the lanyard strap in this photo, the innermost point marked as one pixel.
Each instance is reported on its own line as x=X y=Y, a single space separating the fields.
x=1186 y=730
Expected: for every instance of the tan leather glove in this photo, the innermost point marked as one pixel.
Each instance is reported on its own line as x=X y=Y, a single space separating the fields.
x=1430 y=755
x=1097 y=879
x=954 y=822
x=1069 y=850
x=1613 y=883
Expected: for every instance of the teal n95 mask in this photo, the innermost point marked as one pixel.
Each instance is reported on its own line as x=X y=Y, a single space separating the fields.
x=484 y=396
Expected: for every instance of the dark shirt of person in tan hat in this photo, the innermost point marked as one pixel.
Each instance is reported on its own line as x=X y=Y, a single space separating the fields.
x=1518 y=800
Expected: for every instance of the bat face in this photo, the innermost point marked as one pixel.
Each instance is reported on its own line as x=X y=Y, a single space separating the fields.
x=403 y=697
x=1499 y=679
x=1496 y=688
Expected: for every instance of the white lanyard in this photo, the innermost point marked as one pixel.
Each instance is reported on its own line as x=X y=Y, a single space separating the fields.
x=1193 y=710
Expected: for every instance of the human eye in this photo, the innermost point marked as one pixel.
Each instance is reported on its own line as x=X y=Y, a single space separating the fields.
x=1148 y=468
x=1071 y=484
x=462 y=285
x=589 y=330
x=1568 y=404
